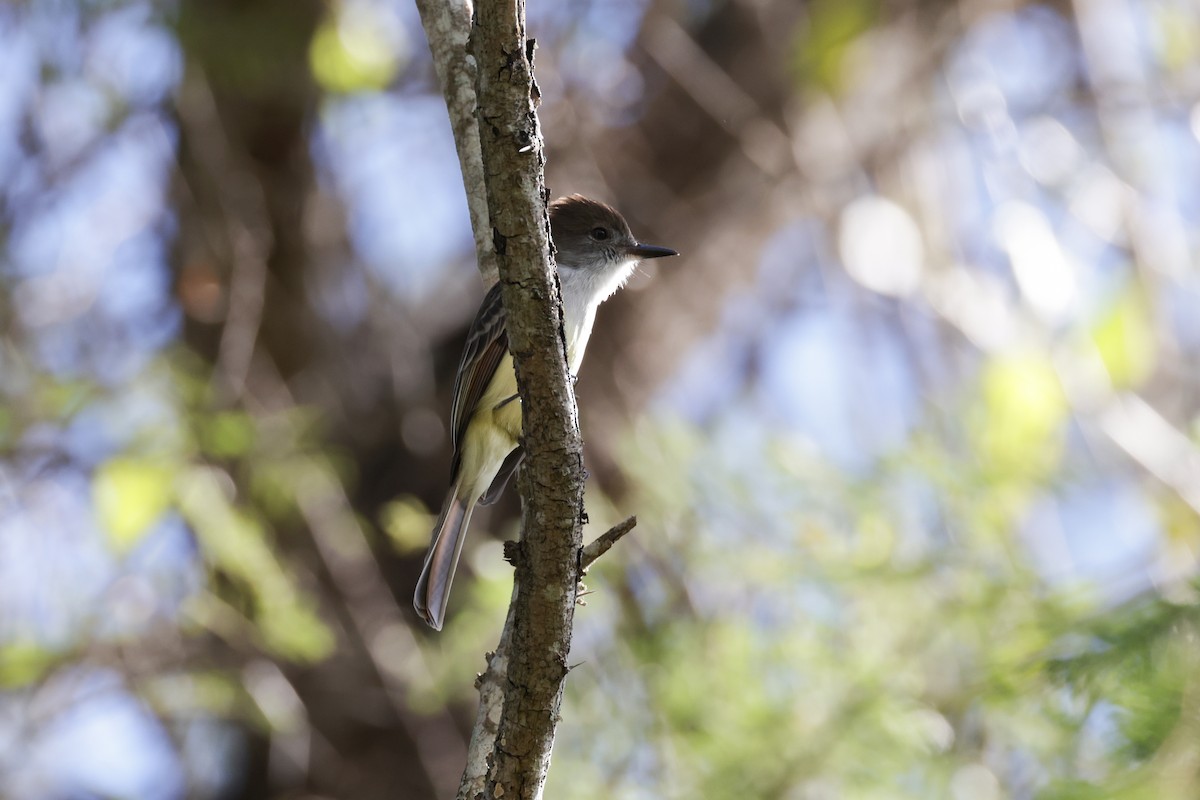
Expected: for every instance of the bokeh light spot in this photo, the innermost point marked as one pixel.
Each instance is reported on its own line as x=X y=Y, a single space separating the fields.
x=881 y=246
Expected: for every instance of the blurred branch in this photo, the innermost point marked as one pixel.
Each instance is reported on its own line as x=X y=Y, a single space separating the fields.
x=253 y=238
x=1154 y=444
x=369 y=608
x=447 y=28
x=1124 y=417
x=762 y=141
x=374 y=616
x=235 y=210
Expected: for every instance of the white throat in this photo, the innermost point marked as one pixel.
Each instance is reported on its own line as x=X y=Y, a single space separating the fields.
x=583 y=290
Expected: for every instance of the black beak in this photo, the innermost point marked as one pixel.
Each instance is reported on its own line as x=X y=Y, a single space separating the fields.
x=649 y=251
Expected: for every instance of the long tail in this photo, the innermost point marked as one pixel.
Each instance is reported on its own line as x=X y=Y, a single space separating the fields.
x=433 y=588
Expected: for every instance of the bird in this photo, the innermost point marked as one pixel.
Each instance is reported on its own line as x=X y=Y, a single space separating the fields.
x=596 y=253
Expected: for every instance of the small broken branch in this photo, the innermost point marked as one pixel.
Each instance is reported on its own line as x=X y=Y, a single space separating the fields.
x=604 y=542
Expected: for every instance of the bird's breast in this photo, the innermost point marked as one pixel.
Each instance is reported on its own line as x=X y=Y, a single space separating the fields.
x=578 y=328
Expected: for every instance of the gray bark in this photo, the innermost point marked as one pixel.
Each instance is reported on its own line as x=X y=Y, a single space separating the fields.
x=510 y=748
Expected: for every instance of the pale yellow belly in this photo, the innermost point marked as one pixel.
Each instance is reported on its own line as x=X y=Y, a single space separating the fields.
x=493 y=431
x=499 y=402
x=495 y=428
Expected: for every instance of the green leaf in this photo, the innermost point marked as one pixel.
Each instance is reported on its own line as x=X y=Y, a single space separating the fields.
x=351 y=53
x=227 y=434
x=1176 y=34
x=130 y=495
x=238 y=544
x=1024 y=408
x=293 y=629
x=1124 y=338
x=834 y=25
x=23 y=662
x=407 y=523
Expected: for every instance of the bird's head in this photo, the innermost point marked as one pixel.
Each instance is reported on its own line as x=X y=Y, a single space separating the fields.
x=592 y=236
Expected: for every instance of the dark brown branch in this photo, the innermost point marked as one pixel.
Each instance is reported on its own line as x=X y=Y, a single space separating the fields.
x=521 y=690
x=551 y=480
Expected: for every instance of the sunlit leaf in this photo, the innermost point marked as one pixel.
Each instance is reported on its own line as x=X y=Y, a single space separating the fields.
x=293 y=630
x=874 y=541
x=1125 y=340
x=237 y=543
x=407 y=523
x=1178 y=35
x=23 y=662
x=273 y=484
x=1024 y=409
x=833 y=26
x=61 y=398
x=209 y=692
x=351 y=52
x=227 y=434
x=130 y=494
x=1180 y=523
x=7 y=427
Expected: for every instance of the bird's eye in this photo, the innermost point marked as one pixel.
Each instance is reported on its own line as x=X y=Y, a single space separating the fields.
x=599 y=234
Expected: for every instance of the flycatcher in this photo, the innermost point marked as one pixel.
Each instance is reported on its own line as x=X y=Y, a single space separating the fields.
x=596 y=254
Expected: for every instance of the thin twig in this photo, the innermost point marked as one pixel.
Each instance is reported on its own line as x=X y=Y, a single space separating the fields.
x=240 y=205
x=604 y=542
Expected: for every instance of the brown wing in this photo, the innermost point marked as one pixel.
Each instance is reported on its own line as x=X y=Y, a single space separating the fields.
x=487 y=342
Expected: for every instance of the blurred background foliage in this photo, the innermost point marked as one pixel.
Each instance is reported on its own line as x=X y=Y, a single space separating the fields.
x=911 y=428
